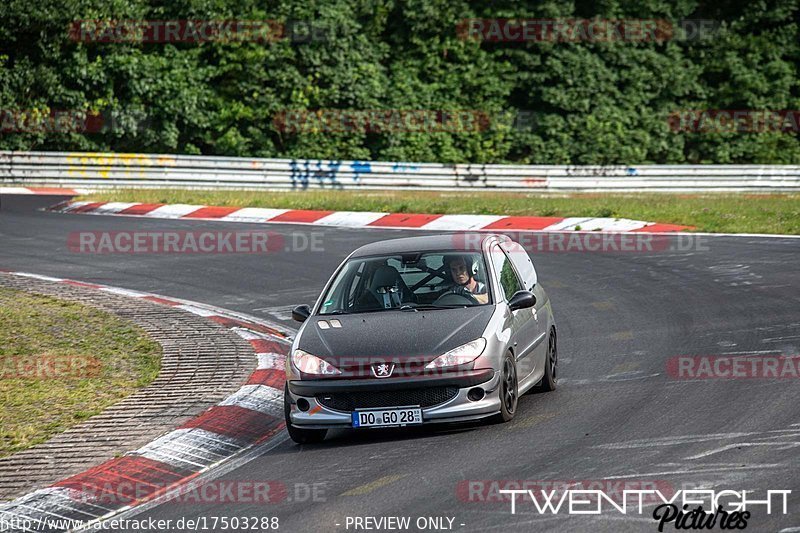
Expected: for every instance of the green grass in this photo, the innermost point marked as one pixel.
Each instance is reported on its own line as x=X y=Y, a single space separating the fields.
x=40 y=400
x=720 y=213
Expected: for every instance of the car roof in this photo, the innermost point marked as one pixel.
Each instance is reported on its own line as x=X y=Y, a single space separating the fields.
x=428 y=243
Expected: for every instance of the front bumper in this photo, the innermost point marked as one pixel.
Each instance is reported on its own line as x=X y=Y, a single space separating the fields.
x=458 y=408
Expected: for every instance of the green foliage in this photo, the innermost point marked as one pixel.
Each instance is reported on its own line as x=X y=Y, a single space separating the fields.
x=590 y=102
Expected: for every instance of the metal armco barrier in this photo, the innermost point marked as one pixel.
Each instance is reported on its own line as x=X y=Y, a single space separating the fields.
x=108 y=170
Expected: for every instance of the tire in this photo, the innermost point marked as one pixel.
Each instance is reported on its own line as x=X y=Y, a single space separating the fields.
x=508 y=390
x=550 y=378
x=300 y=435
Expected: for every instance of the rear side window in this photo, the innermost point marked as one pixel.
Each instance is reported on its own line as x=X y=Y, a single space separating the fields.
x=509 y=281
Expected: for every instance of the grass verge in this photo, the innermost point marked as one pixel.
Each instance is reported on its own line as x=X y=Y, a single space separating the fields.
x=716 y=213
x=62 y=362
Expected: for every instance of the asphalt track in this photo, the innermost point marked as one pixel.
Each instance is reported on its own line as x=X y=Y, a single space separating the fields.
x=616 y=416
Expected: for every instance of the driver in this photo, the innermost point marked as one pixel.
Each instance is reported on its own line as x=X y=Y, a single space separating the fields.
x=462 y=272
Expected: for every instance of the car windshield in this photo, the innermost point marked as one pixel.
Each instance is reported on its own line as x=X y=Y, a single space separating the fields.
x=411 y=281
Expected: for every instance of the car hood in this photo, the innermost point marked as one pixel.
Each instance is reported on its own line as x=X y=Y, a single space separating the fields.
x=423 y=335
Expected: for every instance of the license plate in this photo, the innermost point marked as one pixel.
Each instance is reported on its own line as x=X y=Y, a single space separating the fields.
x=401 y=416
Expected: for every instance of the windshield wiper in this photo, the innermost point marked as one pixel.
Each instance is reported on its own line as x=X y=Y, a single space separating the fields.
x=429 y=307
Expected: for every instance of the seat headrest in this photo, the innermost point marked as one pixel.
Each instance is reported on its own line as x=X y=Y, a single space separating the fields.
x=385 y=276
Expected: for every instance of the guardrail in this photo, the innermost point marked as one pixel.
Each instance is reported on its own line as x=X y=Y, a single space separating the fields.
x=108 y=170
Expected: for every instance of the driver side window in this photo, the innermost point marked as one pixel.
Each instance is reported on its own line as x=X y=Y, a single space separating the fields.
x=509 y=281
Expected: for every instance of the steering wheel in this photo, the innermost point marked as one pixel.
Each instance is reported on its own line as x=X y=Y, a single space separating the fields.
x=456 y=298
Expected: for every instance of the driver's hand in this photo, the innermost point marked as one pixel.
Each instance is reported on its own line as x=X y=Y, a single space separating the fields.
x=460 y=290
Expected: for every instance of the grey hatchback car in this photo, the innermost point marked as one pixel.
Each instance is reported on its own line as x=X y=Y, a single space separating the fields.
x=420 y=330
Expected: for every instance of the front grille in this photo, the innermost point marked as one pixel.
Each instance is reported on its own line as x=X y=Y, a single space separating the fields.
x=349 y=401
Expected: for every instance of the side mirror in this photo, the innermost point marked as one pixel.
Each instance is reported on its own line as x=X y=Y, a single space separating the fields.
x=522 y=300
x=301 y=313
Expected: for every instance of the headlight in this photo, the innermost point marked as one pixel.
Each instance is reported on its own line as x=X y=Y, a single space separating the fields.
x=466 y=353
x=311 y=364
